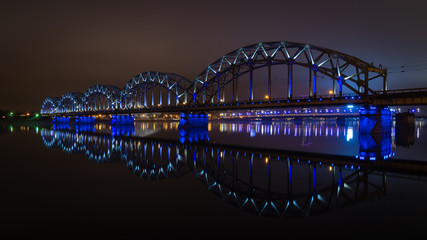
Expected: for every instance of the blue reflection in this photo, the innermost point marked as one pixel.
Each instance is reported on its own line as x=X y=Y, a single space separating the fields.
x=122 y=120
x=194 y=134
x=122 y=130
x=61 y=120
x=193 y=127
x=84 y=127
x=375 y=142
x=61 y=126
x=85 y=120
x=189 y=120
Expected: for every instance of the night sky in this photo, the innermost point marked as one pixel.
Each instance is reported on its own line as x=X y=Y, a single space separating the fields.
x=48 y=48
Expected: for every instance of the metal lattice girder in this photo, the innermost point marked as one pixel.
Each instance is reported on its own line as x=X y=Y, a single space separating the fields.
x=50 y=105
x=101 y=97
x=134 y=93
x=342 y=68
x=70 y=102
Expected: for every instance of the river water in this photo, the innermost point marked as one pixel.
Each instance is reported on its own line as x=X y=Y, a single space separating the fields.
x=315 y=177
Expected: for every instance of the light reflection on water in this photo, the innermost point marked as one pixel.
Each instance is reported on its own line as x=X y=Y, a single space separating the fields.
x=308 y=135
x=286 y=169
x=266 y=182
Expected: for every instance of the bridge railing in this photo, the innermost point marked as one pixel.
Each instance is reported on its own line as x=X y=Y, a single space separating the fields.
x=405 y=90
x=278 y=100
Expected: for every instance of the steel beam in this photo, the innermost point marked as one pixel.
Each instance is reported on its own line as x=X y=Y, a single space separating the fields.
x=290 y=76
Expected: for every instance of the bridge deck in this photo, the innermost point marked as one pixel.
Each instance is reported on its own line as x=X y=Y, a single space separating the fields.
x=392 y=98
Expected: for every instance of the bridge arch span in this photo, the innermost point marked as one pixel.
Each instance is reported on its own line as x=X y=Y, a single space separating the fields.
x=70 y=102
x=154 y=85
x=101 y=97
x=50 y=105
x=219 y=82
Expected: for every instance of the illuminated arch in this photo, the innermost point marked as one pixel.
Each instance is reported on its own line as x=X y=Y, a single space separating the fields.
x=71 y=102
x=101 y=97
x=50 y=105
x=341 y=69
x=134 y=95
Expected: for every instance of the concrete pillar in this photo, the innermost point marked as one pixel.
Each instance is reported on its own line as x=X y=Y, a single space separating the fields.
x=375 y=124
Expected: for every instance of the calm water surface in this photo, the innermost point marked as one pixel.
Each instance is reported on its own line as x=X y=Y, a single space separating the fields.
x=309 y=178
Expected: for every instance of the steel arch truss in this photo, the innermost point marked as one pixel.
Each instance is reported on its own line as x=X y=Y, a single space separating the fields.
x=136 y=91
x=101 y=97
x=343 y=70
x=50 y=105
x=70 y=102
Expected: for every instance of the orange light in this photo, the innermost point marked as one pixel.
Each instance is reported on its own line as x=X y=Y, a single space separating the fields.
x=266 y=160
x=28 y=114
x=267 y=97
x=331 y=92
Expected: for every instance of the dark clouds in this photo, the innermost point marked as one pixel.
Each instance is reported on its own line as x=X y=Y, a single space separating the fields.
x=51 y=47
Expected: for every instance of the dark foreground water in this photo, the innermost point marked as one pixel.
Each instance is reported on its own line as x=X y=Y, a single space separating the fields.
x=310 y=178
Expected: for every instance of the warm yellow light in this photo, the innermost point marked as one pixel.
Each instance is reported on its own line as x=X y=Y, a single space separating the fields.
x=28 y=114
x=330 y=168
x=267 y=97
x=331 y=92
x=266 y=160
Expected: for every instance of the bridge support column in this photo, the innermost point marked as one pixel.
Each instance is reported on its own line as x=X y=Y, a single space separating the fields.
x=189 y=120
x=218 y=85
x=340 y=81
x=385 y=83
x=269 y=79
x=312 y=83
x=251 y=90
x=405 y=129
x=234 y=87
x=176 y=94
x=334 y=92
x=193 y=127
x=375 y=124
x=237 y=88
x=290 y=75
x=160 y=96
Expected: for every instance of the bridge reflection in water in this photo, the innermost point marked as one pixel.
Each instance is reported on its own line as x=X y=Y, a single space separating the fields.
x=263 y=181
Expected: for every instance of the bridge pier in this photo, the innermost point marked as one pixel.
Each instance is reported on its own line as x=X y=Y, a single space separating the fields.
x=405 y=129
x=375 y=120
x=193 y=127
x=191 y=120
x=375 y=124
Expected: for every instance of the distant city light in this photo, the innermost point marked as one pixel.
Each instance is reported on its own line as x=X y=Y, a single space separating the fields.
x=331 y=92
